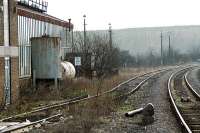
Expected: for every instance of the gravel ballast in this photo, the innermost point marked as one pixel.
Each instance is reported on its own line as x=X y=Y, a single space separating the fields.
x=163 y=121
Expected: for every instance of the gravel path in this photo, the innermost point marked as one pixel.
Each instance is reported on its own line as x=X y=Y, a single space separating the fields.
x=194 y=79
x=155 y=91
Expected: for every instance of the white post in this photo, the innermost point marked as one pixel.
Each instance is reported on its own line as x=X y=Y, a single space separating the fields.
x=6 y=23
x=7 y=84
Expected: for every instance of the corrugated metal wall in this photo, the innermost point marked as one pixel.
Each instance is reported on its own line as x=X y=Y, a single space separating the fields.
x=28 y=28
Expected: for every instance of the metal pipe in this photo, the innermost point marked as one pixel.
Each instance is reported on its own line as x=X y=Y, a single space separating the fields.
x=7 y=84
x=132 y=113
x=148 y=110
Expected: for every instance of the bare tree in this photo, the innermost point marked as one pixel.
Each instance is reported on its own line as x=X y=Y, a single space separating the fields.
x=106 y=56
x=97 y=47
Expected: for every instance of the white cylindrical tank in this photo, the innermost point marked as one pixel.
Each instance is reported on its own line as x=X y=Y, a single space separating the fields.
x=69 y=69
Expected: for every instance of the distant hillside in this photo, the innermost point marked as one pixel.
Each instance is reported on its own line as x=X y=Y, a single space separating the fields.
x=142 y=40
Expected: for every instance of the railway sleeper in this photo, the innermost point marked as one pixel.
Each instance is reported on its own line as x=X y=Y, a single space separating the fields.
x=189 y=111
x=195 y=127
x=194 y=122
x=192 y=114
x=197 y=122
x=195 y=131
x=192 y=117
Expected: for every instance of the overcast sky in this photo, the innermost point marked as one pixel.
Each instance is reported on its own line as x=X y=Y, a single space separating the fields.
x=127 y=13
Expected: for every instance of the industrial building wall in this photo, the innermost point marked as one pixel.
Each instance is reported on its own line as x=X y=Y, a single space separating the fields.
x=28 y=28
x=14 y=60
x=22 y=29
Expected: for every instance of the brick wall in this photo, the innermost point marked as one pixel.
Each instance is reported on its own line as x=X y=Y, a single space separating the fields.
x=14 y=80
x=1 y=24
x=1 y=79
x=14 y=61
x=1 y=59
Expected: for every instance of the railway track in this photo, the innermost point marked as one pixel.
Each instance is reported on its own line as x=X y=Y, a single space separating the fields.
x=190 y=86
x=138 y=81
x=185 y=101
x=26 y=126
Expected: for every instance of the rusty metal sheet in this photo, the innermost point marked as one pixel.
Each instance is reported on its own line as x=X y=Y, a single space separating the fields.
x=46 y=57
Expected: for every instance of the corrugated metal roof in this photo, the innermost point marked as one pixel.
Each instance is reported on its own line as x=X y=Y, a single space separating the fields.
x=22 y=11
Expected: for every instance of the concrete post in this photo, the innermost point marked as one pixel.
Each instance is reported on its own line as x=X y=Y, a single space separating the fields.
x=7 y=84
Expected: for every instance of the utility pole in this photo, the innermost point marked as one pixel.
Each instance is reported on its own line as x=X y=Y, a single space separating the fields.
x=72 y=35
x=85 y=62
x=110 y=35
x=110 y=44
x=161 y=48
x=7 y=84
x=169 y=49
x=69 y=24
x=84 y=36
x=73 y=39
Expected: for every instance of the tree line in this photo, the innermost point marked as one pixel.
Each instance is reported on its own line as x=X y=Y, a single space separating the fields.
x=105 y=59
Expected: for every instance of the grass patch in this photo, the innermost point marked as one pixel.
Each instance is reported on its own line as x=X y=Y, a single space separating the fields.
x=85 y=116
x=125 y=108
x=47 y=94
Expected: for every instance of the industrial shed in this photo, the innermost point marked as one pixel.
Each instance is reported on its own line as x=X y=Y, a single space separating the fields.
x=28 y=19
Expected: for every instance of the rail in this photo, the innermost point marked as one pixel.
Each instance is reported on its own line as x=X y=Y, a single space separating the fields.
x=190 y=86
x=73 y=101
x=173 y=101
